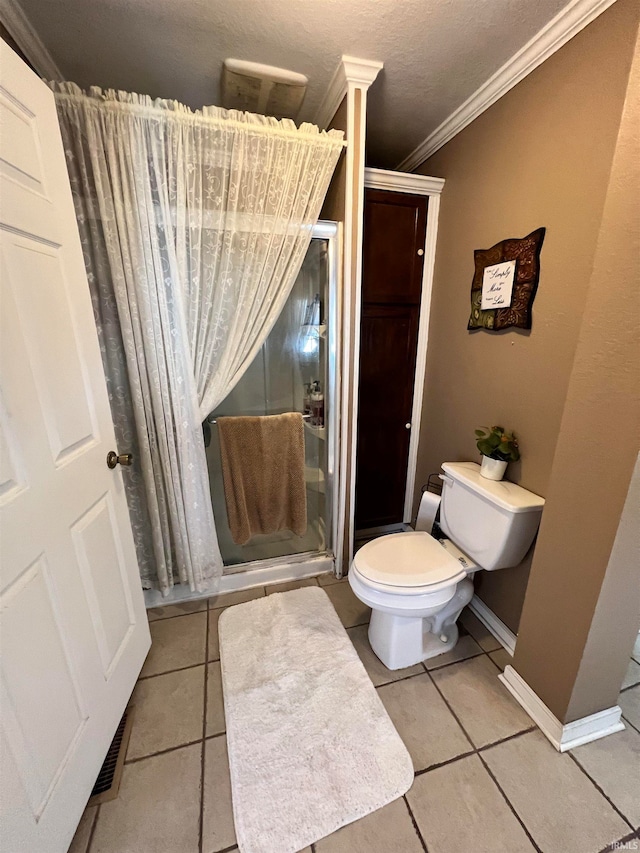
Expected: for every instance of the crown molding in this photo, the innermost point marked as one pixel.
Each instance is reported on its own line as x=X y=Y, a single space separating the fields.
x=350 y=72
x=566 y=24
x=22 y=31
x=402 y=182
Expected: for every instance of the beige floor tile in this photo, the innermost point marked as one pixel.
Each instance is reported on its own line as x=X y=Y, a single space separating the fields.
x=466 y=647
x=501 y=658
x=285 y=587
x=218 y=831
x=613 y=762
x=459 y=809
x=484 y=707
x=478 y=631
x=376 y=670
x=228 y=599
x=629 y=701
x=635 y=654
x=80 y=840
x=157 y=809
x=328 y=579
x=215 y=704
x=214 y=639
x=169 y=711
x=387 y=830
x=559 y=805
x=182 y=609
x=425 y=724
x=349 y=608
x=632 y=676
x=176 y=643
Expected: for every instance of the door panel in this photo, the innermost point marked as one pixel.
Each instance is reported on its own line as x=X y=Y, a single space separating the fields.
x=50 y=684
x=393 y=254
x=103 y=571
x=36 y=279
x=387 y=365
x=73 y=627
x=394 y=232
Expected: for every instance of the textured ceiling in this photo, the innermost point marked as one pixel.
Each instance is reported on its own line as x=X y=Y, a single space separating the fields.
x=436 y=53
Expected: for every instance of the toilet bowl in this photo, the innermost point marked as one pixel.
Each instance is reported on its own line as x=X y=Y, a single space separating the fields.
x=416 y=590
x=417 y=586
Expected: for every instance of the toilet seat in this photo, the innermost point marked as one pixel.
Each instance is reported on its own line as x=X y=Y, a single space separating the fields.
x=410 y=563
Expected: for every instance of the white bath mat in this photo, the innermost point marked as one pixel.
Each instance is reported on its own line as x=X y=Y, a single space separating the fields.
x=311 y=747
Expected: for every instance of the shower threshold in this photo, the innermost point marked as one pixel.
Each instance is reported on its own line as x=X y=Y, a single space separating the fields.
x=250 y=575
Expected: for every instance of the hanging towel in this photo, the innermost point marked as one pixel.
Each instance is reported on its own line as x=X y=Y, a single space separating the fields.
x=263 y=474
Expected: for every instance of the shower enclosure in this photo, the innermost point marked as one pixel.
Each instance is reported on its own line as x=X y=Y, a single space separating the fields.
x=296 y=365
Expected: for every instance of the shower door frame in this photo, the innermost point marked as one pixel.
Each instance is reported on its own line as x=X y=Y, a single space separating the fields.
x=307 y=563
x=329 y=231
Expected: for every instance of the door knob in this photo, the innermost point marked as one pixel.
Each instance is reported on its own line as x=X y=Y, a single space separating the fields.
x=123 y=459
x=407 y=426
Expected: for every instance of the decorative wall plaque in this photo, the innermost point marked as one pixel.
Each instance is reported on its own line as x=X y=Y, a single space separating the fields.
x=505 y=282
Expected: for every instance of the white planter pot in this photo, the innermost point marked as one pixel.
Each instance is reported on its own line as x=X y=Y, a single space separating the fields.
x=493 y=469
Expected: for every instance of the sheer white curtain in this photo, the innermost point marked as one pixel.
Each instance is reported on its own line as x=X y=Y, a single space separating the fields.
x=194 y=227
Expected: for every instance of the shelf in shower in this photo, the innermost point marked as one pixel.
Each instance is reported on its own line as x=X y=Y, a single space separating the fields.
x=319 y=432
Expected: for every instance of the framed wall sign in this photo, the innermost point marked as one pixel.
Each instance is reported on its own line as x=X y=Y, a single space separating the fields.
x=505 y=282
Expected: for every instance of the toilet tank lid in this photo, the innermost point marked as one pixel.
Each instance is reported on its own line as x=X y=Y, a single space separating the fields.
x=507 y=495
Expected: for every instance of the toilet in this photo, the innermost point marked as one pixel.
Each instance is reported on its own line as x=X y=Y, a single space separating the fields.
x=417 y=586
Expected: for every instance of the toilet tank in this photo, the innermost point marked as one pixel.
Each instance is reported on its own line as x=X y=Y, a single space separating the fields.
x=494 y=523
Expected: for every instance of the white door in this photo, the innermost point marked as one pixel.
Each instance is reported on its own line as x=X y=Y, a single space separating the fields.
x=73 y=630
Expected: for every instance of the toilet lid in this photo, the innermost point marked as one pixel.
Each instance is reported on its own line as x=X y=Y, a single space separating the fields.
x=407 y=559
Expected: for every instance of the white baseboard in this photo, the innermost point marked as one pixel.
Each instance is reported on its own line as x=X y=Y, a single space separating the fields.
x=566 y=736
x=248 y=579
x=503 y=635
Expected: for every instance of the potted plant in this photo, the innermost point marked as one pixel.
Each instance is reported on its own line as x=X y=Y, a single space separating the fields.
x=498 y=447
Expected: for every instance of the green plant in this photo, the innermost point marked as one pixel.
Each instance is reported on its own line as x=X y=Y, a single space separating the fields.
x=498 y=443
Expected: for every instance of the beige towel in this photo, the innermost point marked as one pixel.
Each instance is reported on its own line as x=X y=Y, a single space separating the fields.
x=263 y=473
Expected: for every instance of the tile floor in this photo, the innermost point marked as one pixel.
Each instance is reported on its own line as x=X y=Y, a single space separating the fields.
x=486 y=779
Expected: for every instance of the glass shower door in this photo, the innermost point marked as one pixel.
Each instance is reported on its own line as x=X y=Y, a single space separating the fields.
x=292 y=371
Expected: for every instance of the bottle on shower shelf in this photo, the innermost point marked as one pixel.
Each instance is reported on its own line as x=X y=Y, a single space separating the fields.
x=317 y=405
x=306 y=400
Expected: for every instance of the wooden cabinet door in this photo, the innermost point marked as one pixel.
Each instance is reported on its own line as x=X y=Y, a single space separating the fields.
x=394 y=232
x=387 y=362
x=394 y=238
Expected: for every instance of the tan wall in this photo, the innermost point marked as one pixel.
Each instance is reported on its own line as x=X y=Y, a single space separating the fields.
x=541 y=156
x=333 y=207
x=565 y=619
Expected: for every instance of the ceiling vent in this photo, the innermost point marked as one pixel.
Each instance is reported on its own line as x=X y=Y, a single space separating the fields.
x=262 y=89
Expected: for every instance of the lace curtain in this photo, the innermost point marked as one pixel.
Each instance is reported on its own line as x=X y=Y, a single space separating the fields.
x=194 y=226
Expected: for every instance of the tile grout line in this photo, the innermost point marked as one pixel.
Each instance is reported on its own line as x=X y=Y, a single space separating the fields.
x=204 y=732
x=170 y=671
x=595 y=784
x=454 y=662
x=444 y=763
x=506 y=739
x=610 y=847
x=629 y=723
x=453 y=713
x=414 y=822
x=484 y=764
x=177 y=615
x=509 y=803
x=218 y=734
x=93 y=829
x=161 y=752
